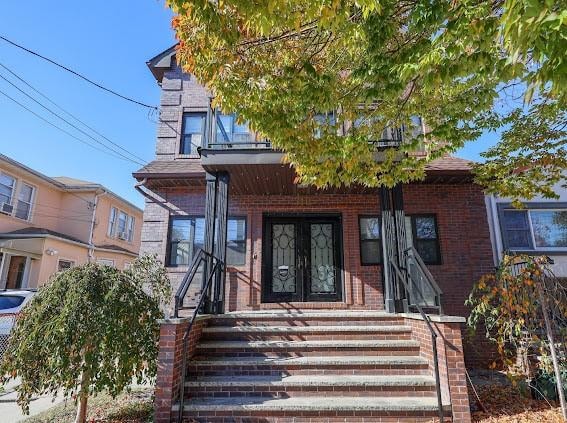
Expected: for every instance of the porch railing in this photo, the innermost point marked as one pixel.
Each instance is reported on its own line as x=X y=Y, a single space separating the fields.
x=423 y=290
x=408 y=284
x=212 y=266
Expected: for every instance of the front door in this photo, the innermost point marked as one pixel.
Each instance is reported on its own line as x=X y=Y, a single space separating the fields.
x=302 y=259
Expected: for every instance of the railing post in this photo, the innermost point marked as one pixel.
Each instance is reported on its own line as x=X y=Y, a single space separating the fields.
x=387 y=253
x=210 y=227
x=223 y=180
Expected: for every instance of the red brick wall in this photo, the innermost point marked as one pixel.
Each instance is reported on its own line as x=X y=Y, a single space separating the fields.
x=451 y=362
x=170 y=360
x=463 y=231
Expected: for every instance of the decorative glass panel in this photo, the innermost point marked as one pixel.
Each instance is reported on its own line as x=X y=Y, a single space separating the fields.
x=425 y=228
x=283 y=258
x=550 y=228
x=322 y=258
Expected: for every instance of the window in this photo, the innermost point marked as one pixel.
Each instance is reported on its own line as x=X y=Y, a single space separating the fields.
x=370 y=243
x=193 y=132
x=130 y=230
x=230 y=131
x=322 y=123
x=425 y=238
x=112 y=221
x=105 y=262
x=236 y=242
x=25 y=198
x=534 y=229
x=122 y=219
x=187 y=235
x=64 y=265
x=7 y=185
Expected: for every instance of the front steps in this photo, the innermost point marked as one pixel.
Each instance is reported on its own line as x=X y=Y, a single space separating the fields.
x=308 y=367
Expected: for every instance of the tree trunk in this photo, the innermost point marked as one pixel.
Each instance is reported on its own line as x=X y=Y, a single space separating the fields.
x=83 y=398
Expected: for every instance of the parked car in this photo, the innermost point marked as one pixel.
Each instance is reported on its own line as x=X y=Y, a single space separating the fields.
x=11 y=303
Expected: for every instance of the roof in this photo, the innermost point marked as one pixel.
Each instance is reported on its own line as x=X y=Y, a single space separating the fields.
x=115 y=248
x=162 y=62
x=449 y=163
x=171 y=168
x=67 y=183
x=32 y=232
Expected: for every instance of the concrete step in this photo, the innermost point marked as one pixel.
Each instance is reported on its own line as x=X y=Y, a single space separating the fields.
x=322 y=365
x=309 y=348
x=407 y=409
x=326 y=332
x=311 y=318
x=311 y=385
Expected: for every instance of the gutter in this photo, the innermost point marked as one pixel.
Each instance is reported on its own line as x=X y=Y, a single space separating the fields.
x=140 y=188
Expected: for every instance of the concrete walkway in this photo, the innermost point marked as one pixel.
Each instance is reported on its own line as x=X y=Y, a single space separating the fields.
x=11 y=412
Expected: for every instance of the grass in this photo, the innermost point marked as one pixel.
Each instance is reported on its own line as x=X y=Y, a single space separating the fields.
x=133 y=407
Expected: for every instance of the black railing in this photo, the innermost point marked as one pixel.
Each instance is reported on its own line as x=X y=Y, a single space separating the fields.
x=212 y=266
x=406 y=282
x=240 y=145
x=424 y=289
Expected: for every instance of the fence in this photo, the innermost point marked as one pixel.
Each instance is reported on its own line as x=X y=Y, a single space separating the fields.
x=7 y=322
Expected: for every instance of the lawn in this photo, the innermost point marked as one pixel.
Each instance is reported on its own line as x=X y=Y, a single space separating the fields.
x=133 y=407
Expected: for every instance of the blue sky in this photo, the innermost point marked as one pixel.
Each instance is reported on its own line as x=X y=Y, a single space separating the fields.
x=110 y=43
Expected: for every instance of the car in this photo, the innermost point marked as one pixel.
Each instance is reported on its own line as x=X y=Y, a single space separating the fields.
x=11 y=303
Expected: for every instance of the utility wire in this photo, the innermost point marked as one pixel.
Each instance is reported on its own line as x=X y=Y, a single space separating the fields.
x=69 y=113
x=90 y=81
x=124 y=157
x=59 y=128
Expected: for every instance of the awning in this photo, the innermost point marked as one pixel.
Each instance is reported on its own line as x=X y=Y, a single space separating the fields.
x=30 y=247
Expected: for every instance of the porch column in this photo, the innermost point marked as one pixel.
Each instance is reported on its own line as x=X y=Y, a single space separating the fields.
x=209 y=242
x=393 y=247
x=223 y=180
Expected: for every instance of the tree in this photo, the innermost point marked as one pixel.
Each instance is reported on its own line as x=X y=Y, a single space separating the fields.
x=92 y=328
x=523 y=308
x=463 y=66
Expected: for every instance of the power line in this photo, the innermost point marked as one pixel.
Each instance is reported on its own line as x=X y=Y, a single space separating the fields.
x=71 y=124
x=77 y=74
x=69 y=113
x=58 y=127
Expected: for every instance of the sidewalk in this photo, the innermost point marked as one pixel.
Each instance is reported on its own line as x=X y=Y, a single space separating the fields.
x=10 y=411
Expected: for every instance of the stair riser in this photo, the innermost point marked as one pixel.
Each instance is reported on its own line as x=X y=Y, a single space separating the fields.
x=306 y=391
x=229 y=371
x=309 y=417
x=312 y=352
x=275 y=321
x=240 y=336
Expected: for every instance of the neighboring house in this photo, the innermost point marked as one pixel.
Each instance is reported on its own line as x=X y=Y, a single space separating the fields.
x=51 y=224
x=310 y=265
x=539 y=228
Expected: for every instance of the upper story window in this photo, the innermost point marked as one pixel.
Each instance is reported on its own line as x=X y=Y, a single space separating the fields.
x=193 y=132
x=16 y=199
x=230 y=131
x=121 y=225
x=534 y=229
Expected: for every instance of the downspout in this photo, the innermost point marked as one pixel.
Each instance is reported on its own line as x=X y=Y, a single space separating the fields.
x=90 y=256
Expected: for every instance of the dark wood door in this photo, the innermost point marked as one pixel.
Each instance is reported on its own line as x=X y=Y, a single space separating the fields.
x=302 y=259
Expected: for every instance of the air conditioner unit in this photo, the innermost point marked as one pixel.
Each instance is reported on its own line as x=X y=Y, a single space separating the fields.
x=6 y=208
x=123 y=235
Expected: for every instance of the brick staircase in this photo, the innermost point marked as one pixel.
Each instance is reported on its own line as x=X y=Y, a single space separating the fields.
x=308 y=367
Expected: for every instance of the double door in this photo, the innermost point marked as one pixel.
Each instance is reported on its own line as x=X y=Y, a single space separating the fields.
x=301 y=259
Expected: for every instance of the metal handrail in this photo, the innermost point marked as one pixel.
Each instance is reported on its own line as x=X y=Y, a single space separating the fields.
x=413 y=253
x=217 y=266
x=434 y=336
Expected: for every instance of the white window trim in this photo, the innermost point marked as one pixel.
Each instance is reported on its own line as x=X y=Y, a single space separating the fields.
x=532 y=233
x=115 y=233
x=67 y=260
x=105 y=261
x=18 y=183
x=14 y=188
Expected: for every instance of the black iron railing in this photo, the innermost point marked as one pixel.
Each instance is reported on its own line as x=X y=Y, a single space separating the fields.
x=408 y=282
x=424 y=289
x=211 y=266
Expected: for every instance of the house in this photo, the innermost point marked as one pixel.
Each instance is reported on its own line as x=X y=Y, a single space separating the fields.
x=51 y=224
x=539 y=228
x=345 y=302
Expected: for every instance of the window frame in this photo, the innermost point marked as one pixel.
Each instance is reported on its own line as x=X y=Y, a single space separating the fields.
x=112 y=221
x=130 y=226
x=106 y=262
x=30 y=203
x=71 y=264
x=360 y=240
x=414 y=238
x=530 y=207
x=172 y=218
x=182 y=143
x=14 y=187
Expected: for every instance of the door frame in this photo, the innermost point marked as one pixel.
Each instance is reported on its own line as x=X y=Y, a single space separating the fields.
x=303 y=294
